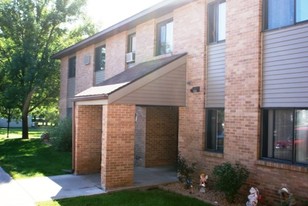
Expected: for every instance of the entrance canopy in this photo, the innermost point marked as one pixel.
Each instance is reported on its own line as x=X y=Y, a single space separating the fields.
x=158 y=82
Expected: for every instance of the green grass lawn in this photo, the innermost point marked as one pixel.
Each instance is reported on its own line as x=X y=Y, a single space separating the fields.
x=30 y=158
x=153 y=197
x=17 y=133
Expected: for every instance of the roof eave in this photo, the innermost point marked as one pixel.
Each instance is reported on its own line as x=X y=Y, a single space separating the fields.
x=90 y=97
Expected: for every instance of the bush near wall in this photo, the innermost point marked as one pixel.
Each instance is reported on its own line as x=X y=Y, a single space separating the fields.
x=61 y=135
x=229 y=178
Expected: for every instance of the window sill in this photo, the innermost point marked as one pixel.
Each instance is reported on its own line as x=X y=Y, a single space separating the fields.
x=213 y=154
x=216 y=42
x=287 y=26
x=284 y=166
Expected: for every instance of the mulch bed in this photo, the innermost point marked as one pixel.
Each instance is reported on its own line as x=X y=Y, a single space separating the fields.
x=210 y=196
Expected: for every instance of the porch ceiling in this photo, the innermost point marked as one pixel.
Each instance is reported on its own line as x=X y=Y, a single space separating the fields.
x=158 y=82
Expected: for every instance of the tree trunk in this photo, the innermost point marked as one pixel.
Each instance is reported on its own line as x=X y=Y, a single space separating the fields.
x=8 y=124
x=25 y=128
x=25 y=112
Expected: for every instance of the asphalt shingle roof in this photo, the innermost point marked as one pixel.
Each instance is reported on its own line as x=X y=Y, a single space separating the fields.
x=140 y=70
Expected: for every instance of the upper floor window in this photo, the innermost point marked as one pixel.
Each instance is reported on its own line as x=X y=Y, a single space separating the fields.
x=100 y=58
x=217 y=21
x=131 y=43
x=285 y=135
x=72 y=67
x=215 y=130
x=280 y=13
x=165 y=37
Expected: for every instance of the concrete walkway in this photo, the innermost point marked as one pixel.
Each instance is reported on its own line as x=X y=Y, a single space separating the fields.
x=26 y=192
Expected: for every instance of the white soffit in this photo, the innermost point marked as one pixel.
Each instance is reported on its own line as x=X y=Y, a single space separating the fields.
x=101 y=90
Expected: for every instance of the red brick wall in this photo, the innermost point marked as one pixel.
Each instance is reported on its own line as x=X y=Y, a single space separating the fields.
x=88 y=134
x=161 y=136
x=145 y=46
x=118 y=146
x=243 y=81
x=189 y=36
x=84 y=72
x=115 y=54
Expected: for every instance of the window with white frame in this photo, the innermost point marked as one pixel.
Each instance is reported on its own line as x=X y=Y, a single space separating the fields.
x=164 y=37
x=131 y=43
x=217 y=21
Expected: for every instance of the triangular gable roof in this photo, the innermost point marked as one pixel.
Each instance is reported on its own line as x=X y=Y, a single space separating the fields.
x=139 y=78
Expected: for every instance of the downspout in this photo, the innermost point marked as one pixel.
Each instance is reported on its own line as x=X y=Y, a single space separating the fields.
x=73 y=137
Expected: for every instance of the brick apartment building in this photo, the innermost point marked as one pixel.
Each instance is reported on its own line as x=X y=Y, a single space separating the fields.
x=214 y=80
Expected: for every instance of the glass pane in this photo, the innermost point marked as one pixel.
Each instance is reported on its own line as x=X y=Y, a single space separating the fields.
x=211 y=129
x=211 y=23
x=222 y=21
x=215 y=129
x=132 y=43
x=280 y=13
x=169 y=37
x=283 y=133
x=72 y=67
x=103 y=58
x=220 y=133
x=301 y=136
x=301 y=10
x=162 y=40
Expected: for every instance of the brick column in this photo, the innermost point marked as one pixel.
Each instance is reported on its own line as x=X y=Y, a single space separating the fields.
x=191 y=40
x=88 y=135
x=243 y=80
x=117 y=167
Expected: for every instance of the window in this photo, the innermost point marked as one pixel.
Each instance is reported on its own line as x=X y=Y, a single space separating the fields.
x=280 y=13
x=215 y=130
x=217 y=21
x=100 y=58
x=72 y=67
x=165 y=37
x=131 y=43
x=285 y=135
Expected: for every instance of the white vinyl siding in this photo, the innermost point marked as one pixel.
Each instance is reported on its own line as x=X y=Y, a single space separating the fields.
x=215 y=93
x=285 y=67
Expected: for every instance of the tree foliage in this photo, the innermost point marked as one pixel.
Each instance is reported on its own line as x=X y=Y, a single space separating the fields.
x=30 y=32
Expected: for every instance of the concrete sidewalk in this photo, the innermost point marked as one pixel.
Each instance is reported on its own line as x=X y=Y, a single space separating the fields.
x=26 y=192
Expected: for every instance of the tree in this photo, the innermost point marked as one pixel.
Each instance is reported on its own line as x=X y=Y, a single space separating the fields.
x=30 y=32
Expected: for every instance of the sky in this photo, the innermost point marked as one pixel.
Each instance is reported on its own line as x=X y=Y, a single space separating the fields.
x=105 y=13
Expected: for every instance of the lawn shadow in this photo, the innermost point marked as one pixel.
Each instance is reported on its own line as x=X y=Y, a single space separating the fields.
x=28 y=158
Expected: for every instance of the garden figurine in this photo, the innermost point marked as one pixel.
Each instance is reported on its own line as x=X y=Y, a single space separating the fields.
x=286 y=198
x=253 y=197
x=203 y=182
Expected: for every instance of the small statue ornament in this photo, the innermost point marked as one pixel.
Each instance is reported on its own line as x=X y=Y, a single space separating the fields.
x=286 y=198
x=203 y=182
x=253 y=197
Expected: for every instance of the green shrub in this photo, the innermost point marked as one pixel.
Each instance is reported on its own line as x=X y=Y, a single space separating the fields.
x=229 y=179
x=185 y=171
x=61 y=135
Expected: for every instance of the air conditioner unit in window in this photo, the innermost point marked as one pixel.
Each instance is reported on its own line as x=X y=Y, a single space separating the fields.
x=130 y=57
